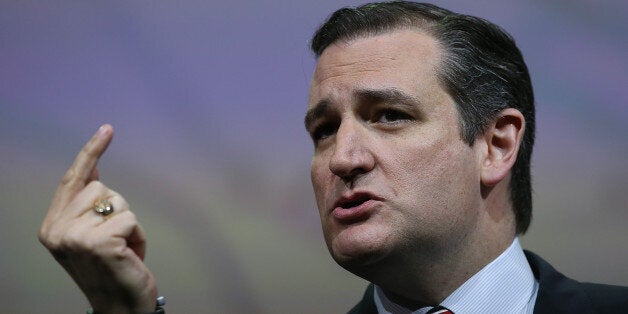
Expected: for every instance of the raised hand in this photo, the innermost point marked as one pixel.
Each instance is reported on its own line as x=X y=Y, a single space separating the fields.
x=103 y=254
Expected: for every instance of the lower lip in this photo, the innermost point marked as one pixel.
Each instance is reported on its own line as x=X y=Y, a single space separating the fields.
x=359 y=212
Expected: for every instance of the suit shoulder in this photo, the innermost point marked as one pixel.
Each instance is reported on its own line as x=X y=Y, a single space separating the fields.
x=606 y=298
x=560 y=294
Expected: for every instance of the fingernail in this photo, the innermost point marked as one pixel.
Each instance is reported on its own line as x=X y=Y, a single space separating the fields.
x=102 y=131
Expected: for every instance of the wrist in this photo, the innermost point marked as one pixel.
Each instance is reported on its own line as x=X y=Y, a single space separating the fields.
x=158 y=309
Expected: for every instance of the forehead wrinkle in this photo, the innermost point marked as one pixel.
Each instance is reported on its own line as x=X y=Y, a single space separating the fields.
x=375 y=63
x=366 y=63
x=423 y=46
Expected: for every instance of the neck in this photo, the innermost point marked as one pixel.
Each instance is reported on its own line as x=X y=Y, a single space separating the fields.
x=427 y=275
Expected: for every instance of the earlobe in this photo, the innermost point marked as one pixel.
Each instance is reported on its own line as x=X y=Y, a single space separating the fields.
x=502 y=140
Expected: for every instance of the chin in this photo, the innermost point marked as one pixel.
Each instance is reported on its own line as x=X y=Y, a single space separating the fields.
x=357 y=251
x=364 y=265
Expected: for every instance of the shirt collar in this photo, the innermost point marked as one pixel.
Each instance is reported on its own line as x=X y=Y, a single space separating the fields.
x=506 y=283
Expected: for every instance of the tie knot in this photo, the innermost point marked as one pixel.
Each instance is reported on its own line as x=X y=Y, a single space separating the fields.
x=440 y=310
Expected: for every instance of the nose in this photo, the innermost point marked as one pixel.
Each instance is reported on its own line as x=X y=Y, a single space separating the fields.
x=351 y=157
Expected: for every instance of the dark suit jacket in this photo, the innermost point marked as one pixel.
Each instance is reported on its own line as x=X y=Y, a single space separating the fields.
x=557 y=294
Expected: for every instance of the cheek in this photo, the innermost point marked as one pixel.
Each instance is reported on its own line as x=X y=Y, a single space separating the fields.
x=436 y=174
x=318 y=176
x=422 y=162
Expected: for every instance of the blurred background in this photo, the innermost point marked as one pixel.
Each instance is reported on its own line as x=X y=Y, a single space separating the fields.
x=207 y=99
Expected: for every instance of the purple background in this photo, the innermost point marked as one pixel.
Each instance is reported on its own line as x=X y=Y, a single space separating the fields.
x=207 y=99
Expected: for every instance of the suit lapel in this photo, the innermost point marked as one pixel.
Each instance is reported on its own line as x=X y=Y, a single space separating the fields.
x=557 y=293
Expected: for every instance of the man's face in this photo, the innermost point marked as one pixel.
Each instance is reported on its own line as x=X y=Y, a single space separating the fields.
x=391 y=174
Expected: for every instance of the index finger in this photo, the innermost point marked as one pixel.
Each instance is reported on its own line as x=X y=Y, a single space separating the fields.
x=84 y=167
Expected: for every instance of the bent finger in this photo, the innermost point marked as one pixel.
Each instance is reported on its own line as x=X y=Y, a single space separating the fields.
x=125 y=225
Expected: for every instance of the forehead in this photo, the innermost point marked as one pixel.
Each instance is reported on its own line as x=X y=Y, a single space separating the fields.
x=403 y=59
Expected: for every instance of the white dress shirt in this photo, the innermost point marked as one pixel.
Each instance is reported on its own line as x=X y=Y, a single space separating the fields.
x=505 y=285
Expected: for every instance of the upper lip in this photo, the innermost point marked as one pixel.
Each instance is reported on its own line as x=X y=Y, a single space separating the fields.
x=354 y=199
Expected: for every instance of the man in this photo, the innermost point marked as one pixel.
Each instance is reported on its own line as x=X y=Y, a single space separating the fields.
x=423 y=125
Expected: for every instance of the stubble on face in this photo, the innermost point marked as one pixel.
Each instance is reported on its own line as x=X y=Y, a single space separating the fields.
x=410 y=161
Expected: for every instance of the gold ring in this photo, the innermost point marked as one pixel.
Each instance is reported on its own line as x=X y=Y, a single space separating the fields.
x=103 y=207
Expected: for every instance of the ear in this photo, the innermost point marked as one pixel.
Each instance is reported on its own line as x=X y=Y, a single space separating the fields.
x=502 y=140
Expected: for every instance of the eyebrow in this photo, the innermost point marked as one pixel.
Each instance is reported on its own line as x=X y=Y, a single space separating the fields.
x=314 y=113
x=387 y=95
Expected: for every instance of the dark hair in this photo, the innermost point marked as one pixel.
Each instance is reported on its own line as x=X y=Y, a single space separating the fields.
x=482 y=69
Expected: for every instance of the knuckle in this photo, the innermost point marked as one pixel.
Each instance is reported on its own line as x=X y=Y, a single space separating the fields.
x=97 y=187
x=44 y=240
x=68 y=177
x=51 y=243
x=123 y=202
x=124 y=207
x=88 y=150
x=48 y=237
x=131 y=217
x=73 y=240
x=119 y=252
x=42 y=235
x=128 y=217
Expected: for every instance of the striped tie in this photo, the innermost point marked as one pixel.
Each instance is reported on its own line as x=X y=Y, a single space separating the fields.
x=440 y=310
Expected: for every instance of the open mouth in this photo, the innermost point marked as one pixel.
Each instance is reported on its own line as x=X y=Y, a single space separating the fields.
x=355 y=208
x=354 y=202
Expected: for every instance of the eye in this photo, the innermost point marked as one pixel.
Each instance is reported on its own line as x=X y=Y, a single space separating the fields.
x=391 y=116
x=323 y=131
